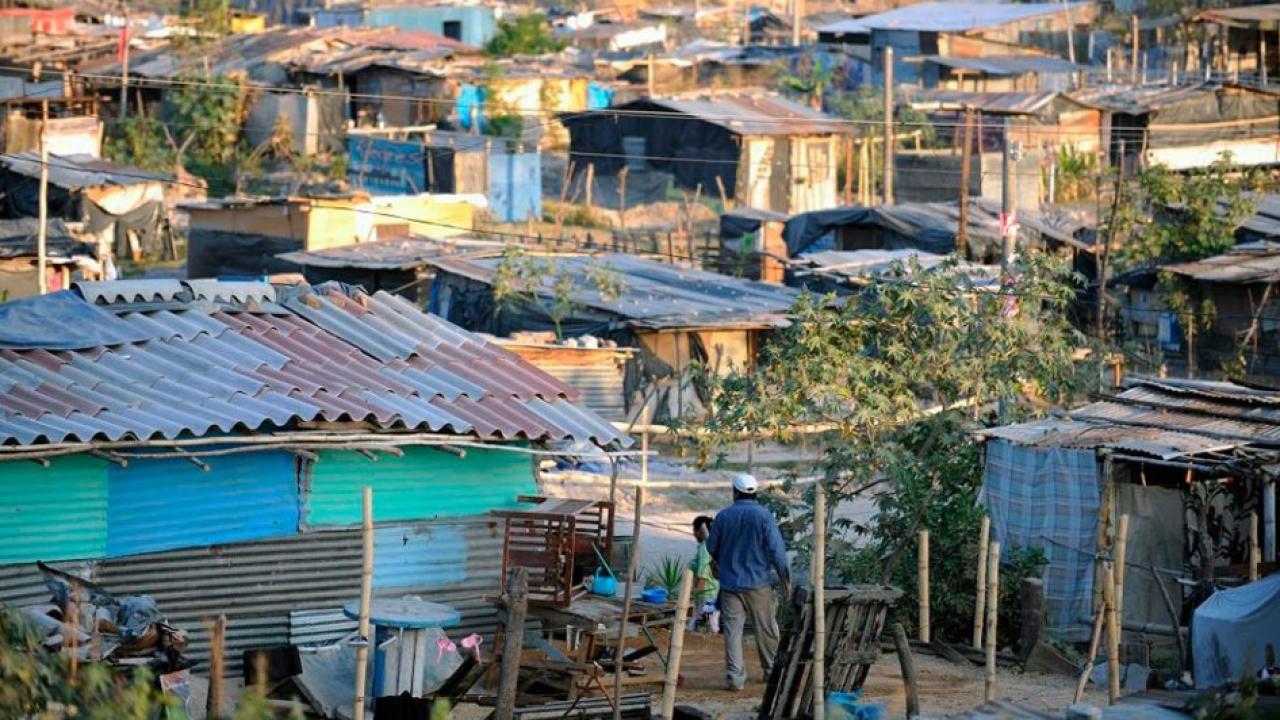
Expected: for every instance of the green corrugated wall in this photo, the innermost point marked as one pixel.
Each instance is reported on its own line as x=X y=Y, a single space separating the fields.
x=53 y=513
x=425 y=483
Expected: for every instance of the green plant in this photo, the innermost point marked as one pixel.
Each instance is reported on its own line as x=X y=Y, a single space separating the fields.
x=525 y=35
x=902 y=375
x=1076 y=175
x=667 y=574
x=522 y=279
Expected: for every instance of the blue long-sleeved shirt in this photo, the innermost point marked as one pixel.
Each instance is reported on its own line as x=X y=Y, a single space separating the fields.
x=746 y=543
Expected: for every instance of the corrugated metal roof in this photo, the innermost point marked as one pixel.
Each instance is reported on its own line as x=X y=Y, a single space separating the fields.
x=1165 y=418
x=322 y=354
x=1247 y=16
x=76 y=172
x=1138 y=99
x=1241 y=267
x=992 y=103
x=654 y=294
x=860 y=265
x=949 y=16
x=1005 y=64
x=391 y=254
x=761 y=114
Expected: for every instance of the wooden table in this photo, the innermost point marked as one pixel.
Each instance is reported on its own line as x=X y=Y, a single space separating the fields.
x=399 y=666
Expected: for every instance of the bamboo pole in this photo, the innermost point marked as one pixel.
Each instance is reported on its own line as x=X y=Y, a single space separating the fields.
x=1098 y=617
x=923 y=585
x=1113 y=635
x=993 y=599
x=217 y=667
x=907 y=664
x=1122 y=543
x=1254 y=550
x=819 y=562
x=980 y=602
x=676 y=647
x=366 y=597
x=632 y=568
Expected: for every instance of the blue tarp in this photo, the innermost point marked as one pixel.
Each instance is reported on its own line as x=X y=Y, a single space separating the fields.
x=1048 y=498
x=61 y=321
x=471 y=100
x=598 y=96
x=1230 y=632
x=384 y=166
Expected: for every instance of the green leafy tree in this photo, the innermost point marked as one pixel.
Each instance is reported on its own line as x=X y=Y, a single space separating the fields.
x=525 y=35
x=902 y=374
x=523 y=279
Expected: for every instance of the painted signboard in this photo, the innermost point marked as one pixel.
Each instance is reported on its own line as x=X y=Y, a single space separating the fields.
x=382 y=166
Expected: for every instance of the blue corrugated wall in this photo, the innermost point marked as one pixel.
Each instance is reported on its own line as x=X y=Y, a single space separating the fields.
x=165 y=504
x=515 y=186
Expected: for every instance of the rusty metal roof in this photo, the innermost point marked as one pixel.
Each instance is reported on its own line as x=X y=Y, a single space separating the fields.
x=1247 y=16
x=1164 y=418
x=403 y=253
x=992 y=103
x=950 y=17
x=235 y=360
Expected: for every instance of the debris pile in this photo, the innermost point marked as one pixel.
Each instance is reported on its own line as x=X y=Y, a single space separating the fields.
x=84 y=619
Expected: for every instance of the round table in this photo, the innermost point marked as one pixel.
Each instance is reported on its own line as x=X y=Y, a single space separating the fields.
x=400 y=667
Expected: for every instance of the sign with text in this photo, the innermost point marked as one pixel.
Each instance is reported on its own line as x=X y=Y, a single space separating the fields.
x=389 y=167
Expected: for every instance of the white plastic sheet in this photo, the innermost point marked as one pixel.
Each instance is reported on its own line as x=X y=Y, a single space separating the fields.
x=1231 y=630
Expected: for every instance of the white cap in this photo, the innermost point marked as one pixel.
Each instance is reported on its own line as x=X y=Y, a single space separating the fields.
x=746 y=484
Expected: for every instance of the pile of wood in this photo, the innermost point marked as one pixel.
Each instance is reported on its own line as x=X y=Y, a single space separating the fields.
x=854 y=620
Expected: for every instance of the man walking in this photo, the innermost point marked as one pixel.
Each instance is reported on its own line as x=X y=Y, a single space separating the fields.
x=746 y=544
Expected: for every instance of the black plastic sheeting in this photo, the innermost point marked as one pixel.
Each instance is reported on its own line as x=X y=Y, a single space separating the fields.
x=18 y=239
x=694 y=151
x=214 y=254
x=61 y=321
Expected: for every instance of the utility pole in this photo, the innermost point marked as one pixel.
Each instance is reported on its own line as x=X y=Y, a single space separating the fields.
x=1071 y=40
x=888 y=125
x=1104 y=253
x=797 y=11
x=962 y=233
x=124 y=64
x=1133 y=66
x=42 y=233
x=1007 y=210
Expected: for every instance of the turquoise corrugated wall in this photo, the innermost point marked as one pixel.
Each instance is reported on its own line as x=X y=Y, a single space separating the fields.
x=53 y=513
x=424 y=483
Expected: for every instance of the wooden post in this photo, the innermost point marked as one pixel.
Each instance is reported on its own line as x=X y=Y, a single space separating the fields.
x=1094 y=638
x=366 y=597
x=923 y=585
x=848 y=171
x=591 y=181
x=1113 y=636
x=622 y=198
x=1255 y=553
x=124 y=65
x=962 y=232
x=1133 y=65
x=512 y=642
x=993 y=599
x=819 y=562
x=980 y=602
x=676 y=647
x=632 y=569
x=649 y=77
x=1122 y=544
x=217 y=667
x=908 y=667
x=888 y=125
x=42 y=230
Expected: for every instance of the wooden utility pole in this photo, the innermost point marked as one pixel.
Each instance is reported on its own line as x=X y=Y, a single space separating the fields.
x=888 y=125
x=1008 y=239
x=366 y=598
x=819 y=561
x=1104 y=252
x=633 y=567
x=217 y=667
x=1133 y=65
x=124 y=64
x=517 y=602
x=962 y=233
x=797 y=12
x=42 y=232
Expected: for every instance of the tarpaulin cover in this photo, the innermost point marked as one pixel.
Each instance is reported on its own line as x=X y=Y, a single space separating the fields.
x=598 y=96
x=1231 y=630
x=470 y=100
x=213 y=253
x=61 y=321
x=915 y=226
x=1048 y=498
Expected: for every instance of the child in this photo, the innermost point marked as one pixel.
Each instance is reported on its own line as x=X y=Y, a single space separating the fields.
x=706 y=589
